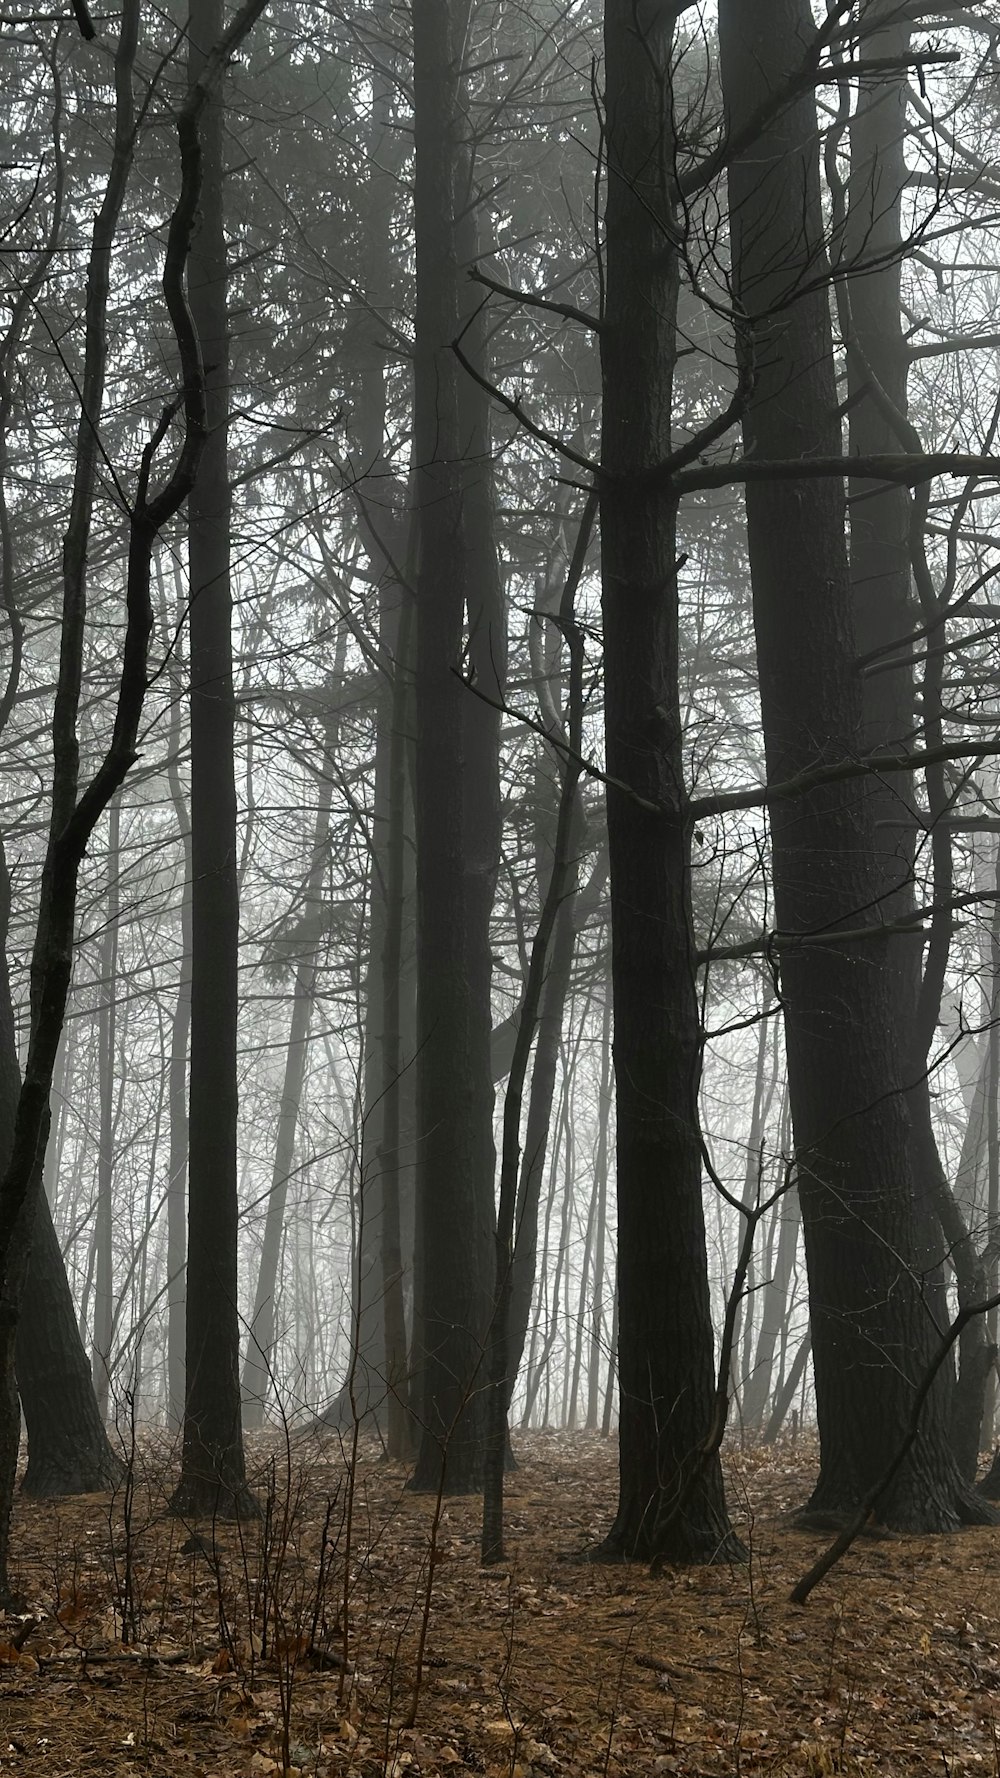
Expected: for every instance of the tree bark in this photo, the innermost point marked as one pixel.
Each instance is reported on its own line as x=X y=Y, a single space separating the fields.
x=68 y=1449
x=671 y=1504
x=872 y=1335
x=212 y=1479
x=177 y=1094
x=104 y=1298
x=455 y=850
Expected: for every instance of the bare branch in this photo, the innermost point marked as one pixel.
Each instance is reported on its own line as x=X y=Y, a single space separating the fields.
x=529 y=300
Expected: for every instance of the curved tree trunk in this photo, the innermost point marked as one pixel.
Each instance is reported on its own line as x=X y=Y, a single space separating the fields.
x=68 y=1449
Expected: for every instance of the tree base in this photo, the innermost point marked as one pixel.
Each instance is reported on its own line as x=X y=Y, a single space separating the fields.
x=204 y=1497
x=909 y=1510
x=51 y=1475
x=429 y=1481
x=680 y=1546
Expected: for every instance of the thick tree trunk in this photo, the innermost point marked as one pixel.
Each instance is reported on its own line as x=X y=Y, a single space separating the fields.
x=68 y=1449
x=872 y=1335
x=885 y=616
x=212 y=1479
x=671 y=1504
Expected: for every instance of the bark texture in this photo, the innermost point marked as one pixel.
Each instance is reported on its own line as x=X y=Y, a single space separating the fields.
x=212 y=1479
x=455 y=802
x=671 y=1504
x=873 y=1330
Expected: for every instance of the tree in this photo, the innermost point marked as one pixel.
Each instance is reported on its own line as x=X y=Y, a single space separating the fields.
x=76 y=808
x=455 y=798
x=872 y=1335
x=213 y=1476
x=671 y=1504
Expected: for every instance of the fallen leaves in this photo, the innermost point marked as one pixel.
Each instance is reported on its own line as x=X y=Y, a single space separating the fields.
x=547 y=1670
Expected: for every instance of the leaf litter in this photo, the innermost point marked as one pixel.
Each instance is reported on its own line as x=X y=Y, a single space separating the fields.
x=287 y=1647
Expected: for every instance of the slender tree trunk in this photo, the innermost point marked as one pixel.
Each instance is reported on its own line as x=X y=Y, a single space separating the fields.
x=257 y=1377
x=561 y=950
x=104 y=1296
x=882 y=571
x=598 y=1345
x=212 y=1479
x=786 y=1394
x=177 y=1091
x=762 y=1095
x=559 y=892
x=400 y=1429
x=774 y=1312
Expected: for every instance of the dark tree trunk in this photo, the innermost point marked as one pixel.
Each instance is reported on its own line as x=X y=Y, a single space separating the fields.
x=872 y=1335
x=76 y=810
x=671 y=1503
x=598 y=1337
x=68 y=1449
x=882 y=572
x=212 y=1479
x=536 y=1129
x=455 y=1154
x=177 y=1085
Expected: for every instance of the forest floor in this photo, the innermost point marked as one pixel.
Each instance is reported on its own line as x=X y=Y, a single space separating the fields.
x=139 y=1655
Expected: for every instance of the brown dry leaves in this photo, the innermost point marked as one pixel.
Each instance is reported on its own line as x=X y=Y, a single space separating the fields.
x=547 y=1669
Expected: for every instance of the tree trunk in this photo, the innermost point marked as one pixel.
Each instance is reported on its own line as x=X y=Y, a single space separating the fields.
x=598 y=1342
x=212 y=1479
x=177 y=1081
x=882 y=573
x=68 y=1449
x=671 y=1504
x=872 y=1337
x=774 y=1312
x=104 y=1298
x=456 y=859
